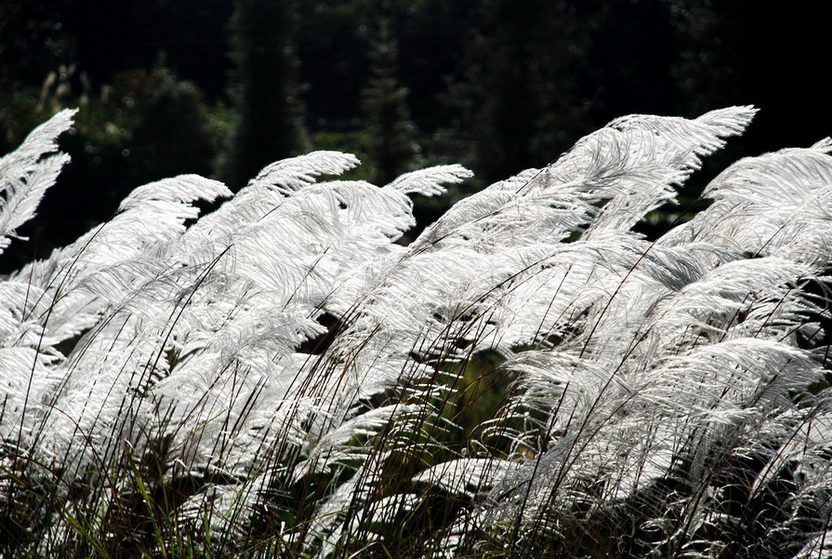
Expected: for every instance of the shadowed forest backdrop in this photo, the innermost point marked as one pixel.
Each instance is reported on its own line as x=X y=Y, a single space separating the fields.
x=223 y=87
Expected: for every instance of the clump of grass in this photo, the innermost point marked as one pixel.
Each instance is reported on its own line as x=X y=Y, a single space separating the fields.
x=530 y=376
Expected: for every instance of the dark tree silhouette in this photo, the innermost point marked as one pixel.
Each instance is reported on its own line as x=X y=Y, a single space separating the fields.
x=264 y=90
x=392 y=136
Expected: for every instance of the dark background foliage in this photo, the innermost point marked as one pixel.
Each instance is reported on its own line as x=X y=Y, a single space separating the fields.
x=223 y=87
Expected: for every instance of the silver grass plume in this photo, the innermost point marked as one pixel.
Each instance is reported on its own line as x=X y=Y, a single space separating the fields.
x=27 y=172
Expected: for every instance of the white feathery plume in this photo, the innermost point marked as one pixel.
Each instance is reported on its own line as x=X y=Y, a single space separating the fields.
x=430 y=181
x=637 y=160
x=634 y=162
x=289 y=175
x=27 y=172
x=28 y=380
x=775 y=204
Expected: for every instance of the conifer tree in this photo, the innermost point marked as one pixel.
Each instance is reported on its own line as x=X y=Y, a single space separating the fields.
x=265 y=91
x=392 y=144
x=171 y=136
